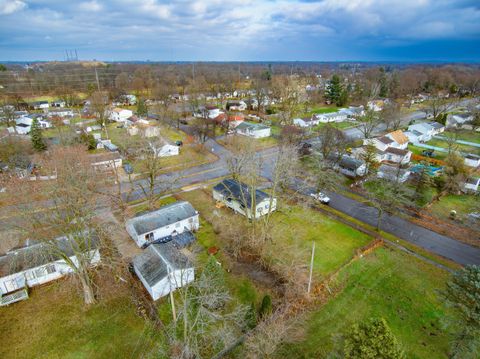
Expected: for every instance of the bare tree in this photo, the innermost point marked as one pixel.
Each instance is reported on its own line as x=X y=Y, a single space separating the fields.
x=69 y=212
x=368 y=123
x=99 y=103
x=391 y=116
x=333 y=142
x=437 y=106
x=207 y=318
x=152 y=186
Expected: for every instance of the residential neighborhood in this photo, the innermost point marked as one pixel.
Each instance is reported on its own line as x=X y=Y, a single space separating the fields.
x=195 y=180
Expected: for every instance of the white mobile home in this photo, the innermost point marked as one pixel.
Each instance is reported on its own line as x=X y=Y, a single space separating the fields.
x=168 y=220
x=120 y=114
x=239 y=197
x=36 y=263
x=162 y=268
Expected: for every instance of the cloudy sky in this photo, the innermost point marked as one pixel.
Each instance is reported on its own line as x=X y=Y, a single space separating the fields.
x=262 y=30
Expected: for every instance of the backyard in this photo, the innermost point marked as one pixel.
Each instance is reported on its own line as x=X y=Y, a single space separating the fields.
x=389 y=284
x=53 y=323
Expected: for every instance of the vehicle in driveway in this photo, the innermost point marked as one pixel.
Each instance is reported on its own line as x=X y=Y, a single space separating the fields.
x=320 y=197
x=128 y=168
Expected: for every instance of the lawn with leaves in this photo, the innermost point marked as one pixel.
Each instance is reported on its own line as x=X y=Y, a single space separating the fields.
x=53 y=323
x=389 y=284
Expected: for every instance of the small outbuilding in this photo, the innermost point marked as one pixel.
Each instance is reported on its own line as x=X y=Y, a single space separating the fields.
x=162 y=268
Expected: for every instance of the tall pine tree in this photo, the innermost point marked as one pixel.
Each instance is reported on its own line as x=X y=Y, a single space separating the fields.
x=36 y=135
x=336 y=92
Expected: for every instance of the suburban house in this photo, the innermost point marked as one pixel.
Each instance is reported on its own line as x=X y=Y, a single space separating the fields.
x=306 y=121
x=376 y=105
x=338 y=116
x=351 y=167
x=458 y=120
x=165 y=149
x=60 y=112
x=106 y=161
x=236 y=105
x=353 y=112
x=210 y=112
x=24 y=124
x=106 y=144
x=471 y=184
x=395 y=155
x=472 y=160
x=239 y=197
x=392 y=147
x=36 y=263
x=170 y=220
x=40 y=105
x=254 y=130
x=424 y=131
x=393 y=173
x=120 y=114
x=162 y=268
x=58 y=103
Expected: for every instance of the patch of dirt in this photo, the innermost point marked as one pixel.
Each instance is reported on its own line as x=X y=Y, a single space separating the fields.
x=450 y=229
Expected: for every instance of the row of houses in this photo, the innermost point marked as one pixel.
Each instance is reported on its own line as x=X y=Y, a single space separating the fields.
x=341 y=115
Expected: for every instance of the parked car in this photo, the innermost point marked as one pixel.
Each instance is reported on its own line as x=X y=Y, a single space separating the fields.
x=179 y=143
x=128 y=168
x=321 y=197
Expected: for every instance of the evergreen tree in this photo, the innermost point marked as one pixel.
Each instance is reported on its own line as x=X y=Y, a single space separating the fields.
x=251 y=317
x=463 y=295
x=88 y=140
x=142 y=109
x=336 y=93
x=36 y=135
x=266 y=307
x=372 y=340
x=383 y=84
x=422 y=181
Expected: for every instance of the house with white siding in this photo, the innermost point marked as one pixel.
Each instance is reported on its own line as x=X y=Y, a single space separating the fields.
x=120 y=114
x=162 y=268
x=37 y=263
x=254 y=130
x=157 y=225
x=241 y=199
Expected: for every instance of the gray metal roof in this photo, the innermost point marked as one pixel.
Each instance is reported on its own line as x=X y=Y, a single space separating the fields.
x=239 y=191
x=161 y=217
x=34 y=253
x=157 y=260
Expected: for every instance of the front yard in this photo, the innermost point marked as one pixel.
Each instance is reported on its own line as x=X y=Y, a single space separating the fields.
x=389 y=284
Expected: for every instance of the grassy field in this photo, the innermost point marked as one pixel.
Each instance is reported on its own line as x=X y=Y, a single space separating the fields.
x=340 y=125
x=419 y=151
x=295 y=226
x=53 y=323
x=319 y=110
x=389 y=284
x=463 y=204
x=458 y=147
x=238 y=143
x=465 y=135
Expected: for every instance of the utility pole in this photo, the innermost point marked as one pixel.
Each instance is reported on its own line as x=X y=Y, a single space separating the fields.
x=98 y=82
x=311 y=269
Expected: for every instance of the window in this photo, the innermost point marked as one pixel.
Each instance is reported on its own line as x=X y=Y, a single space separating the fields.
x=50 y=268
x=40 y=272
x=30 y=275
x=149 y=237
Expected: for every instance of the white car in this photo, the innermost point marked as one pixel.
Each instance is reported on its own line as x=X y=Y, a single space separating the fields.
x=321 y=197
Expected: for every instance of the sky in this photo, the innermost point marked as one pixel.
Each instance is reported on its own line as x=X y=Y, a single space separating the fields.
x=241 y=30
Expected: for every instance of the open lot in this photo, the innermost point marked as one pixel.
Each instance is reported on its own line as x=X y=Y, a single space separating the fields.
x=387 y=283
x=463 y=204
x=237 y=143
x=293 y=226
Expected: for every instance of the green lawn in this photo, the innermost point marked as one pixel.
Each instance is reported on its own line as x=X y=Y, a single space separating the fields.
x=53 y=323
x=294 y=226
x=463 y=204
x=340 y=125
x=465 y=135
x=458 y=147
x=418 y=151
x=389 y=284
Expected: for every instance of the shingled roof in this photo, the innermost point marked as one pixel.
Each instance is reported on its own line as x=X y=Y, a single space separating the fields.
x=240 y=192
x=157 y=260
x=164 y=216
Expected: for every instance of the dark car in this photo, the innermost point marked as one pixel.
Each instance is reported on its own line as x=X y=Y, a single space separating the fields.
x=128 y=168
x=179 y=143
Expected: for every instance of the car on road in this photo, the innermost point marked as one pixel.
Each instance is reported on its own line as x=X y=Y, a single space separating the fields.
x=320 y=197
